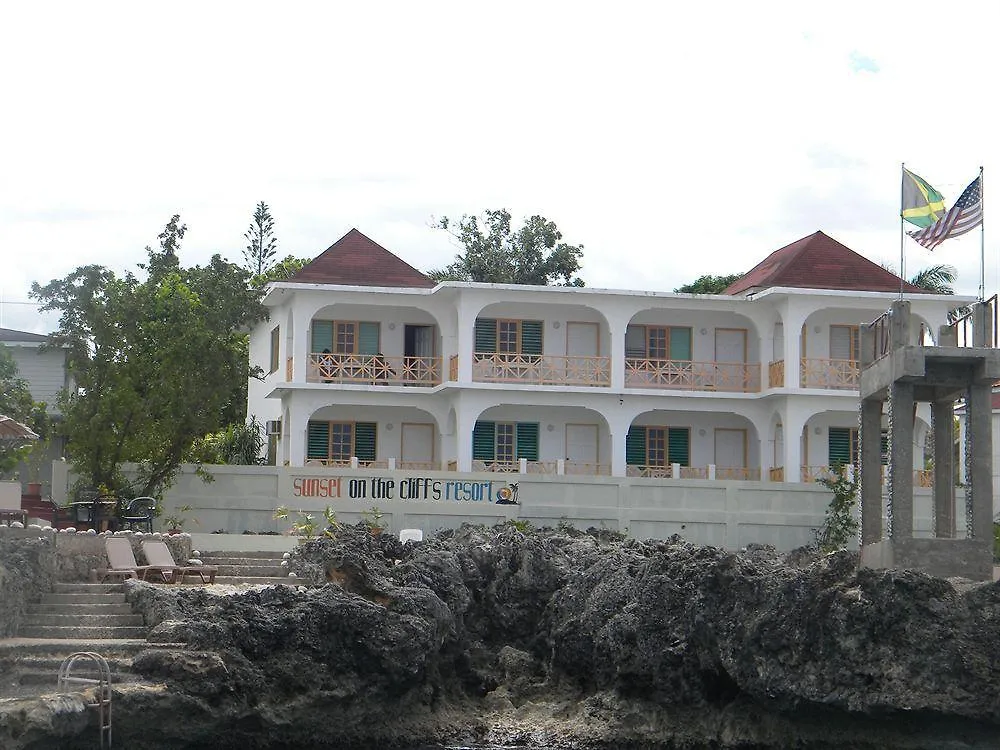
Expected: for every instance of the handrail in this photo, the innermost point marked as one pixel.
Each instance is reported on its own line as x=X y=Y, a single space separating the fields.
x=829 y=373
x=374 y=369
x=739 y=377
x=541 y=369
x=102 y=685
x=882 y=335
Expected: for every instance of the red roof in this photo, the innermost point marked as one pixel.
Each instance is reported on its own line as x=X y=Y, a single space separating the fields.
x=819 y=262
x=355 y=260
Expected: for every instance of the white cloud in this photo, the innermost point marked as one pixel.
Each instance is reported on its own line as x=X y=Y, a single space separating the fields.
x=671 y=140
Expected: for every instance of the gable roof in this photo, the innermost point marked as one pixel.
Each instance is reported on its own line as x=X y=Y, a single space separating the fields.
x=9 y=334
x=819 y=262
x=356 y=260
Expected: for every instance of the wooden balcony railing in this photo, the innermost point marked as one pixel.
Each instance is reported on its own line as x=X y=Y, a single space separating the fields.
x=583 y=468
x=650 y=472
x=776 y=474
x=339 y=463
x=541 y=369
x=498 y=467
x=374 y=369
x=288 y=370
x=740 y=377
x=453 y=368
x=840 y=374
x=739 y=473
x=418 y=465
x=776 y=374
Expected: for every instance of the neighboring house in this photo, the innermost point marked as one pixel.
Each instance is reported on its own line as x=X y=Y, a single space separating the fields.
x=44 y=371
x=371 y=363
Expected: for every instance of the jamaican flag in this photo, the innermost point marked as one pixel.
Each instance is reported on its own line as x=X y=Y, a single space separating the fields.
x=922 y=204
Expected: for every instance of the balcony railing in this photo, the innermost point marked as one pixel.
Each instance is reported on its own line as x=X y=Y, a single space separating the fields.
x=338 y=463
x=374 y=369
x=841 y=374
x=740 y=377
x=552 y=468
x=776 y=374
x=583 y=468
x=921 y=477
x=650 y=472
x=453 y=368
x=537 y=369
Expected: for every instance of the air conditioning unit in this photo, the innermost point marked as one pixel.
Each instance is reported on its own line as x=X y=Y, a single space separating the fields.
x=274 y=427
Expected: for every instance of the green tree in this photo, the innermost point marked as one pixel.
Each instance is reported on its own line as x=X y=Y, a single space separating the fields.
x=259 y=254
x=497 y=253
x=157 y=363
x=709 y=284
x=16 y=403
x=938 y=279
x=280 y=271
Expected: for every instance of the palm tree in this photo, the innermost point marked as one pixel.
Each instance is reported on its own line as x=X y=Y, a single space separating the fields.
x=937 y=279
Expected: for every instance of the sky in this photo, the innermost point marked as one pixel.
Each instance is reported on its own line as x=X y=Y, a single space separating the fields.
x=670 y=140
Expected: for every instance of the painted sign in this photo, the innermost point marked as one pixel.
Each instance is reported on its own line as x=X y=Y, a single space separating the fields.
x=410 y=488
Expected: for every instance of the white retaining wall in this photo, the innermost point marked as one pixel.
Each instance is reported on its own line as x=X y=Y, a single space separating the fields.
x=728 y=514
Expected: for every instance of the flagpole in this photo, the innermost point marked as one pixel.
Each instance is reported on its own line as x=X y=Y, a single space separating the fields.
x=982 y=240
x=902 y=197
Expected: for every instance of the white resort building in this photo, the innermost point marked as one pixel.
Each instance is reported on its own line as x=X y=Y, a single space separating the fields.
x=370 y=364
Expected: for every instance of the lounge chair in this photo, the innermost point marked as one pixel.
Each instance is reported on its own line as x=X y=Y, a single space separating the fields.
x=158 y=553
x=123 y=564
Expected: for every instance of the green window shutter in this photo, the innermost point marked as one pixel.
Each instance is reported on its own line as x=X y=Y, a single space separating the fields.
x=364 y=441
x=527 y=440
x=679 y=446
x=318 y=440
x=839 y=446
x=531 y=337
x=635 y=446
x=680 y=344
x=368 y=338
x=486 y=335
x=483 y=437
x=322 y=335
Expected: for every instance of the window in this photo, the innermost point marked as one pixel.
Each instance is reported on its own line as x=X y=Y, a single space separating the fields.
x=845 y=343
x=505 y=441
x=658 y=342
x=275 y=341
x=345 y=337
x=658 y=446
x=843 y=447
x=340 y=441
x=508 y=336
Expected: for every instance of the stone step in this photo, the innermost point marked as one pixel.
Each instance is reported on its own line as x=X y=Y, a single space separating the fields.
x=106 y=647
x=81 y=632
x=45 y=607
x=84 y=598
x=267 y=571
x=84 y=619
x=258 y=580
x=243 y=555
x=88 y=588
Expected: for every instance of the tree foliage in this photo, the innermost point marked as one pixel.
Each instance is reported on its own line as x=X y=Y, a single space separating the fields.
x=157 y=362
x=709 y=284
x=259 y=254
x=280 y=271
x=839 y=524
x=16 y=403
x=497 y=253
x=938 y=279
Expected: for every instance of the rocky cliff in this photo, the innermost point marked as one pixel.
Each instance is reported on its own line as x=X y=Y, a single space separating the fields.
x=577 y=640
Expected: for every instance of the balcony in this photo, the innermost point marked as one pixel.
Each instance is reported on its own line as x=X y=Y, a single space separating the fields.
x=671 y=471
x=538 y=369
x=374 y=369
x=732 y=377
x=921 y=477
x=837 y=374
x=551 y=468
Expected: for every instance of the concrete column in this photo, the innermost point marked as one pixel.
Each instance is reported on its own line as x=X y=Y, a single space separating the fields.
x=295 y=432
x=616 y=349
x=300 y=347
x=871 y=471
x=944 y=466
x=466 y=345
x=793 y=421
x=899 y=324
x=792 y=327
x=901 y=459
x=618 y=425
x=982 y=325
x=465 y=420
x=980 y=417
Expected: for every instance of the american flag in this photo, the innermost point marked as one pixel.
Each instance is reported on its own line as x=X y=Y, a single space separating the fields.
x=964 y=216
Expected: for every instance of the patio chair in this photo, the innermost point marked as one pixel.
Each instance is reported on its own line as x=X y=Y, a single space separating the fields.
x=158 y=553
x=123 y=564
x=138 y=516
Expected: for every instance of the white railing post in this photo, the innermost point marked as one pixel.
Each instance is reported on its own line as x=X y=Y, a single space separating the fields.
x=354 y=462
x=711 y=471
x=522 y=466
x=392 y=463
x=561 y=466
x=675 y=471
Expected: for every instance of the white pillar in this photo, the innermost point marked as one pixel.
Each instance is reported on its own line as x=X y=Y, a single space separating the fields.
x=300 y=346
x=295 y=433
x=792 y=321
x=793 y=421
x=467 y=313
x=616 y=350
x=465 y=420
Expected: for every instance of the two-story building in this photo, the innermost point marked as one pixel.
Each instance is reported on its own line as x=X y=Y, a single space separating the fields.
x=369 y=363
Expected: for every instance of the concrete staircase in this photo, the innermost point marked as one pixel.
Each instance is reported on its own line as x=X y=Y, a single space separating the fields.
x=248 y=567
x=73 y=617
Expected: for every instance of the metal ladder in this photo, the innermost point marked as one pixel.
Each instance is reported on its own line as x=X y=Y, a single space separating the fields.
x=102 y=694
